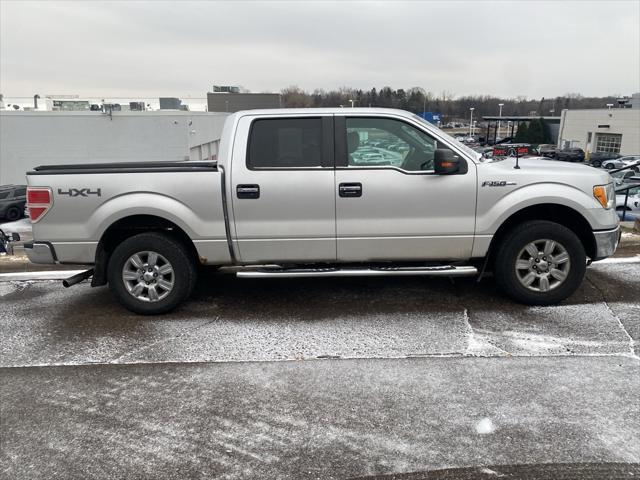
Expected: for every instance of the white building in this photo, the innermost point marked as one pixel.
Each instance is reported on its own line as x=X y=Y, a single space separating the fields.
x=29 y=139
x=614 y=130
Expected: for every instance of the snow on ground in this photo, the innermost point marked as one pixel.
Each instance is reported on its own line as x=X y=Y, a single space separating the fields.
x=19 y=226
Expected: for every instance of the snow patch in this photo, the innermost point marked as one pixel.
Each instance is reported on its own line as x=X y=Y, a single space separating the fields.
x=485 y=427
x=488 y=471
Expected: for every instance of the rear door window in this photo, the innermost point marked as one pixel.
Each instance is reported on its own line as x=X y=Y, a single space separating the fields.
x=287 y=143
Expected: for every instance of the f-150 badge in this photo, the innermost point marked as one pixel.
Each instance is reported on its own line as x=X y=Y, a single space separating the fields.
x=497 y=183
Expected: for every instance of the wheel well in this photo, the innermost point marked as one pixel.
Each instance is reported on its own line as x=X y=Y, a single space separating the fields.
x=565 y=216
x=128 y=227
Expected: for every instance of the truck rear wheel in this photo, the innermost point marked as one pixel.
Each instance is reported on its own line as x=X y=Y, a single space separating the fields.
x=540 y=263
x=151 y=273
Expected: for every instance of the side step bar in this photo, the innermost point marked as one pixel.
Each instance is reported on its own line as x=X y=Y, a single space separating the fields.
x=440 y=271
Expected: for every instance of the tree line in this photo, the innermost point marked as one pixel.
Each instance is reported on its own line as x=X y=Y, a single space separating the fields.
x=453 y=108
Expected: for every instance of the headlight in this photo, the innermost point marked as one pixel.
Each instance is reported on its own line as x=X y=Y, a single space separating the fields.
x=606 y=195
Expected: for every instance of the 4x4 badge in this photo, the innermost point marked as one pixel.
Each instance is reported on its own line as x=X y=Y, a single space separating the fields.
x=80 y=192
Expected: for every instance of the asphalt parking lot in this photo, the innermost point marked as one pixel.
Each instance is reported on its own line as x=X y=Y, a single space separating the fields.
x=321 y=378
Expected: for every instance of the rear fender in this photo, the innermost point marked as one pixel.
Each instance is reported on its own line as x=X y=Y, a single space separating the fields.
x=154 y=204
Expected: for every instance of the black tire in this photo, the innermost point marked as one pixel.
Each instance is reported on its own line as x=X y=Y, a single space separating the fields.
x=183 y=274
x=596 y=163
x=515 y=241
x=609 y=166
x=12 y=214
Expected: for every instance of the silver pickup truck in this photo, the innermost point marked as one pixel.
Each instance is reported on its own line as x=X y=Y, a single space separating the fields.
x=325 y=192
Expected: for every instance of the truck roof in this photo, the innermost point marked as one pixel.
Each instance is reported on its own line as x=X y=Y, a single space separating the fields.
x=311 y=111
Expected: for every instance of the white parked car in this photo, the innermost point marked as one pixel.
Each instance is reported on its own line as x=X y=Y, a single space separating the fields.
x=633 y=201
x=621 y=162
x=623 y=177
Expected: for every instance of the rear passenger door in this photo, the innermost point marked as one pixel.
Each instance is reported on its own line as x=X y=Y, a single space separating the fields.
x=282 y=176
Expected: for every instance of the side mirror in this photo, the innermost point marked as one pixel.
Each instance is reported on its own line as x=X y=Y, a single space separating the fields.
x=446 y=162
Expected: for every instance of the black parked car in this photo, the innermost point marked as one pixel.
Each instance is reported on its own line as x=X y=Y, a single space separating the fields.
x=596 y=158
x=12 y=201
x=570 y=155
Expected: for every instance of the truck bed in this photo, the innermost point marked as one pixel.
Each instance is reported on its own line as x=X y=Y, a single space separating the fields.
x=89 y=198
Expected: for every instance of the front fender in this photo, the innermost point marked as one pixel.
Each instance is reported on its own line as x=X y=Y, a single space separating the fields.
x=493 y=209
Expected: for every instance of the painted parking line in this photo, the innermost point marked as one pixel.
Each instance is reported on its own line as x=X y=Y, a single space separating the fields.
x=62 y=274
x=610 y=260
x=46 y=275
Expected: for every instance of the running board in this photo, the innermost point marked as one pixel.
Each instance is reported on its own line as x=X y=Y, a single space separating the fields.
x=440 y=271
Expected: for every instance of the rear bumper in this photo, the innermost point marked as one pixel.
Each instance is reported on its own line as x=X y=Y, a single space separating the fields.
x=40 y=252
x=606 y=242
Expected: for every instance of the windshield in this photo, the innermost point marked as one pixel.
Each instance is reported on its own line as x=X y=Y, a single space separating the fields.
x=462 y=146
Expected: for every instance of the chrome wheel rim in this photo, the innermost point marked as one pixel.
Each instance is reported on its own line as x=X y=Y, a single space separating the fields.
x=542 y=265
x=148 y=276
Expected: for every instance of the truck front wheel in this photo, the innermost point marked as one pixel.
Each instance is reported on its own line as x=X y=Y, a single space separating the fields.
x=151 y=273
x=540 y=263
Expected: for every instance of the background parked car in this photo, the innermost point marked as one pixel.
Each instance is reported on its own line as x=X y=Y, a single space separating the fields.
x=570 y=155
x=546 y=150
x=623 y=177
x=621 y=162
x=596 y=158
x=12 y=202
x=633 y=201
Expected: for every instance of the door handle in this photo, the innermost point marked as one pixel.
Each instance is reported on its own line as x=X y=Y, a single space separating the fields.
x=350 y=189
x=248 y=191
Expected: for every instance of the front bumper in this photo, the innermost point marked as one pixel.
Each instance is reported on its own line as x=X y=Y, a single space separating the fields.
x=606 y=242
x=40 y=252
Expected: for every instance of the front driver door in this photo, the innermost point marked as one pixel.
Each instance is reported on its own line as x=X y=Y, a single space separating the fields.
x=390 y=205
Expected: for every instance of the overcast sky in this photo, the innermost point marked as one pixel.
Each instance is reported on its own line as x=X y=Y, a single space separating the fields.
x=180 y=48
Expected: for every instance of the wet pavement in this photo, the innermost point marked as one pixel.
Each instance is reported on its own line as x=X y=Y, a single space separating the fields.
x=317 y=378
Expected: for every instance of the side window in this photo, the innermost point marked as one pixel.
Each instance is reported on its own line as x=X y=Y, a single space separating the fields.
x=4 y=195
x=375 y=142
x=285 y=143
x=21 y=192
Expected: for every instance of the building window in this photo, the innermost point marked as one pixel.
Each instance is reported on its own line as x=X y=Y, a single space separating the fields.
x=608 y=142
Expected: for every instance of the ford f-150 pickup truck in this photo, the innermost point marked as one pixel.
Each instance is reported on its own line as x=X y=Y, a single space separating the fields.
x=324 y=192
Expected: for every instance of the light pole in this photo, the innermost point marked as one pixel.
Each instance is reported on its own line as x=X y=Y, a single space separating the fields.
x=424 y=100
x=499 y=117
x=471 y=121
